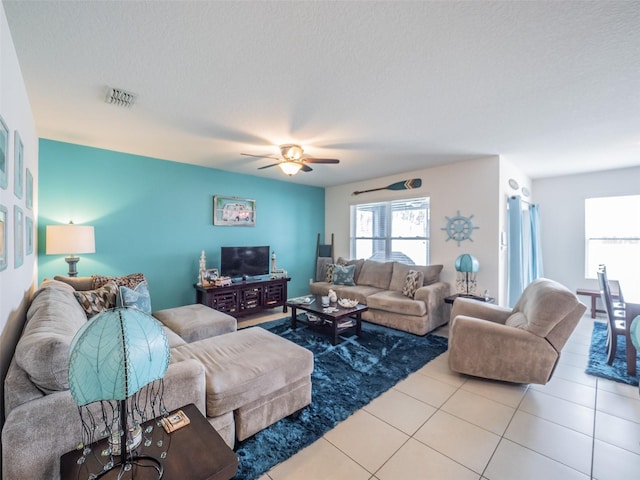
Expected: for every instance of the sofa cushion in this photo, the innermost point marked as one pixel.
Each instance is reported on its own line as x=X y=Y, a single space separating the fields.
x=197 y=321
x=430 y=274
x=396 y=302
x=358 y=263
x=329 y=274
x=412 y=283
x=95 y=301
x=173 y=338
x=376 y=274
x=136 y=298
x=356 y=292
x=78 y=283
x=343 y=274
x=53 y=319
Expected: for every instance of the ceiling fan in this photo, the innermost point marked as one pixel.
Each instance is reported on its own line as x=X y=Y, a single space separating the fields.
x=293 y=160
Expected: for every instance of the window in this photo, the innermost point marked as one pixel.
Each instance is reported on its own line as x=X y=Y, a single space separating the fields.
x=397 y=230
x=612 y=231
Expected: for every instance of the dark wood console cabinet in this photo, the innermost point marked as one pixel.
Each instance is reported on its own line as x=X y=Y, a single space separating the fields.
x=245 y=298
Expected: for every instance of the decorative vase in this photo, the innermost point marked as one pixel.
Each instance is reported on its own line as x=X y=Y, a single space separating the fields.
x=333 y=298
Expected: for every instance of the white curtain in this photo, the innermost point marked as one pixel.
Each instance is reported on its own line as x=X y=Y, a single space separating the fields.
x=524 y=247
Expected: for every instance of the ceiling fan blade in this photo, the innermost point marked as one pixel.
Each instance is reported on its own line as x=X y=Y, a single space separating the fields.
x=268 y=166
x=321 y=160
x=306 y=168
x=258 y=156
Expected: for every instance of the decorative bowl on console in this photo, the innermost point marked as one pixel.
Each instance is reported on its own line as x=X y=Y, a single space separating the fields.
x=347 y=303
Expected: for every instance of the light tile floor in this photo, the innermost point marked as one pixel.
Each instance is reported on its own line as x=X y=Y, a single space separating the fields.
x=437 y=424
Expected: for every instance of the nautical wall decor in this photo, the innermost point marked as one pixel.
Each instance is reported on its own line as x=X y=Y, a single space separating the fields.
x=402 y=185
x=459 y=228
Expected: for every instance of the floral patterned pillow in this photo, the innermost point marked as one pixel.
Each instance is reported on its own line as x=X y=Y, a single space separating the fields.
x=343 y=275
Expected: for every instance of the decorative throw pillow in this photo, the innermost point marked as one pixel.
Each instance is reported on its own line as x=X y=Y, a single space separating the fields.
x=132 y=280
x=95 y=301
x=136 y=298
x=329 y=276
x=412 y=283
x=343 y=275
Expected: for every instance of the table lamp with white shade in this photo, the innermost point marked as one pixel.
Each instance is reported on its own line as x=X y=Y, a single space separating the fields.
x=70 y=239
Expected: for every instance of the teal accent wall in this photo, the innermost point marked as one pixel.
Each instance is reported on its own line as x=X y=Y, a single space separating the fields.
x=155 y=216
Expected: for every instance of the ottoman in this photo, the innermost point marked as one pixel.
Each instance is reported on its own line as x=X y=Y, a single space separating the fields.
x=195 y=322
x=255 y=374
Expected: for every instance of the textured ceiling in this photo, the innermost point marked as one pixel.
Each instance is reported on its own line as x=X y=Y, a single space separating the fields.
x=387 y=87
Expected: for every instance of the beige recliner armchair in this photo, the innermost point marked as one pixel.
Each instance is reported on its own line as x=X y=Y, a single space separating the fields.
x=521 y=345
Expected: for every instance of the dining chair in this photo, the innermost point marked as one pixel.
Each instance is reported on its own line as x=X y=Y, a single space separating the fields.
x=617 y=298
x=616 y=317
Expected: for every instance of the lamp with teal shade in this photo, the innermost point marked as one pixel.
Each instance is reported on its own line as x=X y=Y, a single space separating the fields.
x=112 y=358
x=466 y=265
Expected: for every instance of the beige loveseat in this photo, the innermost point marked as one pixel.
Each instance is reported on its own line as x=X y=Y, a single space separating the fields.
x=379 y=285
x=242 y=381
x=520 y=345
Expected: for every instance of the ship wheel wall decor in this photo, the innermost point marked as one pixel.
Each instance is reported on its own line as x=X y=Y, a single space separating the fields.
x=459 y=228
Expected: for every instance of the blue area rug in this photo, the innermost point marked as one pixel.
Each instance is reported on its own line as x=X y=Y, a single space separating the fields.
x=598 y=357
x=345 y=378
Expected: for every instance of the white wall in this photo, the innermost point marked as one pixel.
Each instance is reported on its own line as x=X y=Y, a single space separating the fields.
x=471 y=187
x=561 y=202
x=16 y=284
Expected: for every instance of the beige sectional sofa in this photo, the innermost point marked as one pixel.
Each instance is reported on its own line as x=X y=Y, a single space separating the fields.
x=242 y=381
x=380 y=286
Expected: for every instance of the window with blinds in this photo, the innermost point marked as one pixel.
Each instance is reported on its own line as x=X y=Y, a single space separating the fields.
x=612 y=237
x=391 y=231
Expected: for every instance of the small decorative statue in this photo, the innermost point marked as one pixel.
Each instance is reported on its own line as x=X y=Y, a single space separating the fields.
x=273 y=263
x=333 y=298
x=203 y=267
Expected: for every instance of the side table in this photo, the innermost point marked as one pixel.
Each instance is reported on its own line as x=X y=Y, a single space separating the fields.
x=478 y=298
x=196 y=451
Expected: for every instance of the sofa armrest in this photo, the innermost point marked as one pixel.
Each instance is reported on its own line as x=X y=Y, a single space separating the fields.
x=37 y=433
x=433 y=296
x=483 y=310
x=491 y=350
x=436 y=292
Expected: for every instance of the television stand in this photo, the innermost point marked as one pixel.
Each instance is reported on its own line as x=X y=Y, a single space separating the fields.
x=245 y=297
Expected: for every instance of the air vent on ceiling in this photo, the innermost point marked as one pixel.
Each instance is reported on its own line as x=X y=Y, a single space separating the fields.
x=120 y=98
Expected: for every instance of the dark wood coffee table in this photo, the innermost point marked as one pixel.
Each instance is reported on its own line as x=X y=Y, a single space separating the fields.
x=196 y=452
x=335 y=322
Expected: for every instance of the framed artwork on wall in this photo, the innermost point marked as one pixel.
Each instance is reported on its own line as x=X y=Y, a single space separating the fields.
x=18 y=237
x=28 y=223
x=234 y=211
x=29 y=187
x=4 y=154
x=3 y=237
x=18 y=151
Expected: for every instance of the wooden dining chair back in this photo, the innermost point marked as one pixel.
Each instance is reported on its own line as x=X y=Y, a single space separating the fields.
x=617 y=298
x=615 y=317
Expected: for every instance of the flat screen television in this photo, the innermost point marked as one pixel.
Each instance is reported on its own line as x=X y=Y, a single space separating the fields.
x=244 y=262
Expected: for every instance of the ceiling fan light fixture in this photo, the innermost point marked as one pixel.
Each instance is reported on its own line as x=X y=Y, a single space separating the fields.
x=291 y=152
x=290 y=168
